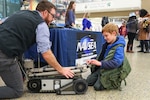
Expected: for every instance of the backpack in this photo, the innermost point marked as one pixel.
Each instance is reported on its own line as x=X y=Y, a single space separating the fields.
x=145 y=25
x=112 y=78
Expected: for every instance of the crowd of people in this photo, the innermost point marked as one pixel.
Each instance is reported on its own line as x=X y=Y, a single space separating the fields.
x=16 y=36
x=139 y=28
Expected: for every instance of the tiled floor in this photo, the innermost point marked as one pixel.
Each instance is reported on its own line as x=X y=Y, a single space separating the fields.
x=138 y=84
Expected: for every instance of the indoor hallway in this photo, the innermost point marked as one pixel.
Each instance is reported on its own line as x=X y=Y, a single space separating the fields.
x=138 y=84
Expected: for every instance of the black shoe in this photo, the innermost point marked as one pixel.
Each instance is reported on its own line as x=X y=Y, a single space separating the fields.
x=138 y=46
x=146 y=52
x=140 y=51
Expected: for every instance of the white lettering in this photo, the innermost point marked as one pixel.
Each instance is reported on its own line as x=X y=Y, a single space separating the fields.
x=86 y=46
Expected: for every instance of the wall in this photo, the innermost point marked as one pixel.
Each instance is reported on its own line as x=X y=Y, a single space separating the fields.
x=108 y=6
x=115 y=8
x=146 y=5
x=110 y=14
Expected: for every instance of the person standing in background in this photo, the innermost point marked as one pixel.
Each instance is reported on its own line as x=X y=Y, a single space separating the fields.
x=70 y=15
x=122 y=29
x=144 y=30
x=86 y=23
x=104 y=21
x=132 y=27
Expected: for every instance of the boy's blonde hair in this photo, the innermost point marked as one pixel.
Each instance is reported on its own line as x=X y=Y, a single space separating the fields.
x=110 y=27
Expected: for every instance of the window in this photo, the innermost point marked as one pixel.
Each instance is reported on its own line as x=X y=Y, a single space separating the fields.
x=1 y=9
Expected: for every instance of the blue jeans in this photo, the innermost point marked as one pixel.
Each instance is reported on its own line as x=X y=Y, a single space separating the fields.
x=12 y=77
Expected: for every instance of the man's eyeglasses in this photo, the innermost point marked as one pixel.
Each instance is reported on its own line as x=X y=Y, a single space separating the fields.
x=51 y=14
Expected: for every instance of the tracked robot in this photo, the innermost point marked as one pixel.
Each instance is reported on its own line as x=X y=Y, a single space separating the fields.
x=47 y=79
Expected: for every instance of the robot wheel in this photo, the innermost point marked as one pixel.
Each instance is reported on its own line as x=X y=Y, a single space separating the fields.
x=80 y=86
x=34 y=85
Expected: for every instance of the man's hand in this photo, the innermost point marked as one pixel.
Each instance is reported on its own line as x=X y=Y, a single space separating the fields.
x=51 y=60
x=67 y=72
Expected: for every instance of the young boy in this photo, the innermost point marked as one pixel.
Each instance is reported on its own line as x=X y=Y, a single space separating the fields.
x=110 y=33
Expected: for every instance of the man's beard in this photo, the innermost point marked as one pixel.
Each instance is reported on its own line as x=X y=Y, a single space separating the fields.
x=47 y=21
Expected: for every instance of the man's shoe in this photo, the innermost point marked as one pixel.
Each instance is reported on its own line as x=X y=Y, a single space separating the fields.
x=146 y=52
x=140 y=51
x=131 y=51
x=138 y=46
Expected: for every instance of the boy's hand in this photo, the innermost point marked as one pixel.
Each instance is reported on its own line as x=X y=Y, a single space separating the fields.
x=94 y=62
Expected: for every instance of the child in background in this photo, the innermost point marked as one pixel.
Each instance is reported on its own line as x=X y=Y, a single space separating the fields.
x=122 y=29
x=86 y=23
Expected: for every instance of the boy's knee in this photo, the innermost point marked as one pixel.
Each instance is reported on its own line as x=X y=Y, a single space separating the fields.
x=90 y=81
x=98 y=88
